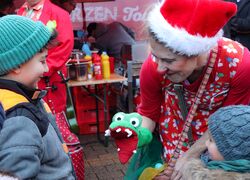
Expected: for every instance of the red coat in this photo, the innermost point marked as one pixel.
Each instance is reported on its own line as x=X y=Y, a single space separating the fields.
x=57 y=56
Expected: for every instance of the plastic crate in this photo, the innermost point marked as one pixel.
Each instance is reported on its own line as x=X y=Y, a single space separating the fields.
x=84 y=100
x=87 y=121
x=85 y=109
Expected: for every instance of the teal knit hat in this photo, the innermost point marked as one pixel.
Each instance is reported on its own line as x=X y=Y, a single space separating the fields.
x=20 y=39
x=230 y=129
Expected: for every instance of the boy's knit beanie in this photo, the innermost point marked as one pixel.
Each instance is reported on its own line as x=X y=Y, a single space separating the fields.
x=230 y=129
x=20 y=39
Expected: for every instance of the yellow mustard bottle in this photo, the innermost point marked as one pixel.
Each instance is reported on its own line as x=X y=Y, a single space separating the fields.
x=105 y=65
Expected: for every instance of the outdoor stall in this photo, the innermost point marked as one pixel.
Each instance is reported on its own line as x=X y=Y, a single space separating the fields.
x=132 y=14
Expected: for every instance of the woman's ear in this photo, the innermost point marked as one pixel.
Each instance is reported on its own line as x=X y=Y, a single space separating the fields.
x=202 y=60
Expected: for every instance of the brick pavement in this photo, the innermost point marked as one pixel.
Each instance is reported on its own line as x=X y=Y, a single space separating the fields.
x=101 y=163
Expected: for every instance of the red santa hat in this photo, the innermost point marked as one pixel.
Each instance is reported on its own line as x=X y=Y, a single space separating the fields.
x=190 y=27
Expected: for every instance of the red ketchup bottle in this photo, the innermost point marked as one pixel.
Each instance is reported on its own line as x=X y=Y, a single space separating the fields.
x=112 y=64
x=97 y=66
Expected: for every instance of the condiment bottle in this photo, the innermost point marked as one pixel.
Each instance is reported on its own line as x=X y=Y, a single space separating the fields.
x=97 y=66
x=88 y=58
x=105 y=65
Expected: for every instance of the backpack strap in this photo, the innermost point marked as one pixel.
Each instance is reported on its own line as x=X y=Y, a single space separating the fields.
x=184 y=111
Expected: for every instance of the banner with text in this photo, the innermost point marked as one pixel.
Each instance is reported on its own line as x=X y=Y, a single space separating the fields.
x=131 y=13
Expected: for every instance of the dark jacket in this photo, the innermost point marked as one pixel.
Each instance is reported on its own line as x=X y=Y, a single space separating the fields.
x=30 y=148
x=238 y=27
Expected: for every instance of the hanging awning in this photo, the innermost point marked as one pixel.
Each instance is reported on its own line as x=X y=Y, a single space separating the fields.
x=131 y=13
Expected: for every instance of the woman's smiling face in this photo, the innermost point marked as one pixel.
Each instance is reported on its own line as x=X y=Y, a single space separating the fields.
x=177 y=68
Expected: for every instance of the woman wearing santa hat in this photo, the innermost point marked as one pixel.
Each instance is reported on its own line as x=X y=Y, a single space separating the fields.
x=191 y=72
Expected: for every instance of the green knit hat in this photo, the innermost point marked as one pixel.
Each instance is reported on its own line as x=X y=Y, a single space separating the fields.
x=20 y=39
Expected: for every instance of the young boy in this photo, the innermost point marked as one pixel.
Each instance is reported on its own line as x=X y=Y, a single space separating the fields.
x=30 y=145
x=228 y=155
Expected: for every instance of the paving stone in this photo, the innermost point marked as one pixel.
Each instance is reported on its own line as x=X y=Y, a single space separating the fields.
x=114 y=175
x=99 y=147
x=118 y=178
x=90 y=176
x=113 y=167
x=111 y=150
x=87 y=148
x=92 y=155
x=101 y=163
x=107 y=156
x=117 y=174
x=116 y=160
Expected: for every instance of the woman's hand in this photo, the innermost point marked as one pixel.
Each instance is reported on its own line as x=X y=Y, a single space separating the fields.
x=173 y=174
x=194 y=152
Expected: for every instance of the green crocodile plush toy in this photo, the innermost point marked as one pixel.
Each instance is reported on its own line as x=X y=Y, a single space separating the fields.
x=128 y=134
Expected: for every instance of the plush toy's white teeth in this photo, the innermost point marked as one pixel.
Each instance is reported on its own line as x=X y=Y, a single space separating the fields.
x=118 y=149
x=107 y=132
x=118 y=130
x=129 y=132
x=134 y=151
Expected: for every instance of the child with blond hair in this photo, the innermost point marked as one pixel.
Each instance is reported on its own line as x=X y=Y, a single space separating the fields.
x=228 y=147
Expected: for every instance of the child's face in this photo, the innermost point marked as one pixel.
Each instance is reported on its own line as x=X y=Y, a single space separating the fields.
x=213 y=150
x=32 y=71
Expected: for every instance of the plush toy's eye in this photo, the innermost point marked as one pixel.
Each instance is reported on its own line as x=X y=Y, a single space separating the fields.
x=119 y=117
x=134 y=121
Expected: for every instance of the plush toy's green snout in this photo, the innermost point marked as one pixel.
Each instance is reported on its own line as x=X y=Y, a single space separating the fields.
x=128 y=134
